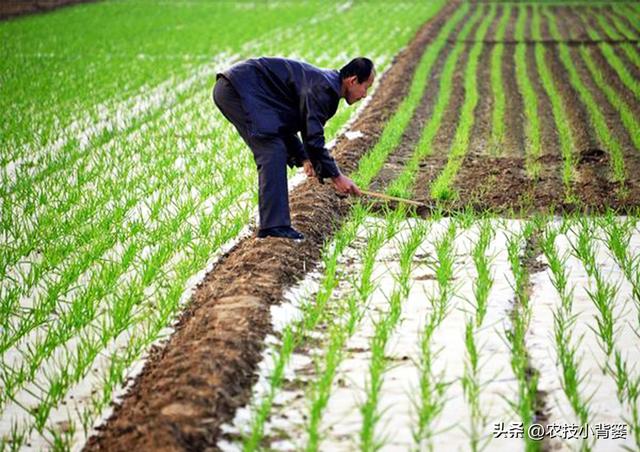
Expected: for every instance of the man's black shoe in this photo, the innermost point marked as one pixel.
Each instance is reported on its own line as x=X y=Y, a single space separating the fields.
x=285 y=232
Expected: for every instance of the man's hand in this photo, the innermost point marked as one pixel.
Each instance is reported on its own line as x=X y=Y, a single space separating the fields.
x=345 y=185
x=308 y=168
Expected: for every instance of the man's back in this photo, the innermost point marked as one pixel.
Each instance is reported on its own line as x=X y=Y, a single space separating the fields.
x=281 y=94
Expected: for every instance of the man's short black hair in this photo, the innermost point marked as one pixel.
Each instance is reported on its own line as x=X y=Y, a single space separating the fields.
x=361 y=67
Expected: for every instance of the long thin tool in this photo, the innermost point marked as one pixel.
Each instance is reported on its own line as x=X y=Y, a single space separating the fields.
x=393 y=198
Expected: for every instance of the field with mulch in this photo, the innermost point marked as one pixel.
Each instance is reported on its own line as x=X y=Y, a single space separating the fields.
x=141 y=312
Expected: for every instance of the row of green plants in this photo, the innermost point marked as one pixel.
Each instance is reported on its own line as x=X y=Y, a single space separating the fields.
x=442 y=187
x=472 y=380
x=404 y=182
x=56 y=82
x=433 y=385
x=596 y=116
x=529 y=99
x=564 y=321
x=527 y=378
x=563 y=127
x=609 y=53
x=497 y=91
x=384 y=328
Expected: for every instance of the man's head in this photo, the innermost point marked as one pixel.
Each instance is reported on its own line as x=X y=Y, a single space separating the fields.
x=357 y=76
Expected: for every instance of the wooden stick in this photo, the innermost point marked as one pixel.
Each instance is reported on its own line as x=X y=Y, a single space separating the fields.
x=393 y=198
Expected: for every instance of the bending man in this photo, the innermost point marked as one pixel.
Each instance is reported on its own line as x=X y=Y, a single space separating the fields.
x=270 y=100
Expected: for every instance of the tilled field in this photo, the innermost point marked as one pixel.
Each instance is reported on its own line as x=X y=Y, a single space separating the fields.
x=511 y=301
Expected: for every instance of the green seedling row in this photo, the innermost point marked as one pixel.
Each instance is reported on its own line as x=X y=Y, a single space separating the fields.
x=402 y=185
x=525 y=406
x=604 y=293
x=484 y=281
x=613 y=59
x=529 y=99
x=567 y=345
x=442 y=187
x=563 y=127
x=612 y=31
x=432 y=395
x=472 y=381
x=610 y=143
x=499 y=102
x=370 y=409
x=371 y=163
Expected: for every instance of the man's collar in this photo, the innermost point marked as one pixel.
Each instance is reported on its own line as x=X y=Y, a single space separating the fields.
x=336 y=82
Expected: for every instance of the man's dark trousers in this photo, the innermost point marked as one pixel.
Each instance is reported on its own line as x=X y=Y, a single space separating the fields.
x=269 y=153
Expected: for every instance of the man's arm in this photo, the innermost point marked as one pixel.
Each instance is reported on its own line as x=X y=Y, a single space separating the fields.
x=315 y=109
x=314 y=112
x=296 y=155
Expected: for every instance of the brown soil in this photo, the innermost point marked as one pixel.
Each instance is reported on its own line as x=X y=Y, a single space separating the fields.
x=194 y=384
x=12 y=8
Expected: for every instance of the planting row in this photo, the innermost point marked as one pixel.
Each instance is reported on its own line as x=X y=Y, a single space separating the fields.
x=573 y=99
x=458 y=333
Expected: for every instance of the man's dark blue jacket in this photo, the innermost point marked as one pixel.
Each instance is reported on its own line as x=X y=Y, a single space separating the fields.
x=282 y=97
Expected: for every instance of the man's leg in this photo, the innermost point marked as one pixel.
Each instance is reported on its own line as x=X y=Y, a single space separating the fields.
x=228 y=102
x=270 y=155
